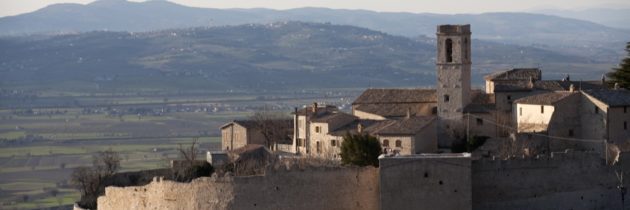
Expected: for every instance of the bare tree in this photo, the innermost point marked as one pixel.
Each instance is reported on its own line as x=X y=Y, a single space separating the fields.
x=189 y=168
x=91 y=180
x=274 y=127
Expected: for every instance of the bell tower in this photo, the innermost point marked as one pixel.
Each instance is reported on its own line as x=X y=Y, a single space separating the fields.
x=453 y=81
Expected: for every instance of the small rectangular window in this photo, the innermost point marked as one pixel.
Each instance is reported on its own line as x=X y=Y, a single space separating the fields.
x=520 y=111
x=596 y=110
x=446 y=98
x=542 y=109
x=317 y=129
x=333 y=143
x=479 y=121
x=319 y=147
x=570 y=132
x=509 y=97
x=625 y=109
x=625 y=125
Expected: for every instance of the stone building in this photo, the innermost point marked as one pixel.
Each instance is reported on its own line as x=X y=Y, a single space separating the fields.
x=584 y=119
x=239 y=133
x=320 y=132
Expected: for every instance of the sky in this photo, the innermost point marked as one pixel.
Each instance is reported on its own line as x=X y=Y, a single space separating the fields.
x=14 y=7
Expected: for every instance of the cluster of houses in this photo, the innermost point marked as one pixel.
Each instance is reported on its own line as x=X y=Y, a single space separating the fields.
x=516 y=104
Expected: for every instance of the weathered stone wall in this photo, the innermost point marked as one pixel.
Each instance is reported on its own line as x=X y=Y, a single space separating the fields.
x=566 y=181
x=313 y=188
x=431 y=181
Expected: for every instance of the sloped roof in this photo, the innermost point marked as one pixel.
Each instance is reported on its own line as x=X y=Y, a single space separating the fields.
x=613 y=98
x=335 y=117
x=379 y=96
x=545 y=98
x=515 y=74
x=547 y=85
x=398 y=110
x=406 y=126
x=369 y=126
x=249 y=124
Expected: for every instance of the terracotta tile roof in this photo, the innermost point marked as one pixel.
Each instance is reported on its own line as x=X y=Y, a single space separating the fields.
x=398 y=110
x=406 y=126
x=515 y=74
x=547 y=85
x=545 y=98
x=334 y=117
x=380 y=96
x=249 y=124
x=612 y=98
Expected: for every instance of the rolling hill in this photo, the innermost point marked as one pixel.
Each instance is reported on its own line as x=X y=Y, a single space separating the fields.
x=280 y=55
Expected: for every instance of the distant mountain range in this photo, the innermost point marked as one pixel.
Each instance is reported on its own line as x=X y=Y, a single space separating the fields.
x=569 y=36
x=617 y=18
x=283 y=55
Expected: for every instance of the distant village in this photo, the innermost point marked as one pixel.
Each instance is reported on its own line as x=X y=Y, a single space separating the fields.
x=528 y=143
x=517 y=106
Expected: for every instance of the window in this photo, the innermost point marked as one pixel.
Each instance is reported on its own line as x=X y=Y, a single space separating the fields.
x=333 y=143
x=447 y=98
x=466 y=48
x=317 y=129
x=398 y=143
x=570 y=132
x=449 y=50
x=542 y=109
x=319 y=147
x=299 y=142
x=596 y=110
x=479 y=121
x=509 y=97
x=625 y=125
x=385 y=143
x=625 y=109
x=520 y=111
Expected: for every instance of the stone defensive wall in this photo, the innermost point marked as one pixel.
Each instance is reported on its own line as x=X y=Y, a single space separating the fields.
x=569 y=180
x=308 y=188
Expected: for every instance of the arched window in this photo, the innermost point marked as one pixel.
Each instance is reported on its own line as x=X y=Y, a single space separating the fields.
x=449 y=50
x=385 y=143
x=398 y=143
x=447 y=98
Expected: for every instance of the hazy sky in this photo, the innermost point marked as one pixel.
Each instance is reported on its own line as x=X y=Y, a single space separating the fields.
x=13 y=7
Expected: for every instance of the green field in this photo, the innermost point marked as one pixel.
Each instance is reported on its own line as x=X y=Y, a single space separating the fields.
x=39 y=147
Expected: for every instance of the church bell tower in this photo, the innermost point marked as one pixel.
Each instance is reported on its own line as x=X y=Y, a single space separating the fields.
x=453 y=81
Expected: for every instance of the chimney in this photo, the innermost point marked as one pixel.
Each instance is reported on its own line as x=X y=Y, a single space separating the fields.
x=571 y=88
x=315 y=107
x=408 y=113
x=359 y=128
x=616 y=86
x=603 y=79
x=530 y=85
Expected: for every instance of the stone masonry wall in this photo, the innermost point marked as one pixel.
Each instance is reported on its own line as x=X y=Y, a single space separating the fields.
x=312 y=188
x=570 y=180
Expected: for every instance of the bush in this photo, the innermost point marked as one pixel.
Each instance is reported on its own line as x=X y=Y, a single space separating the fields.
x=360 y=150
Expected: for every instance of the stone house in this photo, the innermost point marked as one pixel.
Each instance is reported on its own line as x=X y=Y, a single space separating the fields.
x=240 y=133
x=586 y=119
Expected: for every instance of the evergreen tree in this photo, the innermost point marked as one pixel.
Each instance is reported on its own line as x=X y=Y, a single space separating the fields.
x=621 y=74
x=360 y=150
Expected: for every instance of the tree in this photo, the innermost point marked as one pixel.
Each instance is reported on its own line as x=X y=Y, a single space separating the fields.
x=273 y=126
x=621 y=74
x=91 y=180
x=360 y=149
x=190 y=168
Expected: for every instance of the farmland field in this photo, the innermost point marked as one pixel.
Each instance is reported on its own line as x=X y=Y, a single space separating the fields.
x=44 y=137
